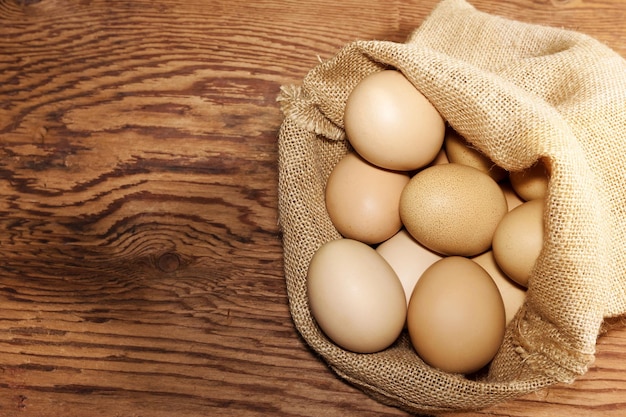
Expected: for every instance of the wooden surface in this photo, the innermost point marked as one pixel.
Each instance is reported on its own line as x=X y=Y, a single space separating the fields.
x=140 y=256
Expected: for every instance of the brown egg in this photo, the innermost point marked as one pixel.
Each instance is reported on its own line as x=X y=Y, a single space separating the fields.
x=513 y=294
x=512 y=199
x=456 y=318
x=452 y=209
x=363 y=200
x=391 y=124
x=355 y=296
x=408 y=258
x=518 y=240
x=459 y=151
x=531 y=183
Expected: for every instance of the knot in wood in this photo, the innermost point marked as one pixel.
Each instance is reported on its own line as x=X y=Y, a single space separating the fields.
x=168 y=262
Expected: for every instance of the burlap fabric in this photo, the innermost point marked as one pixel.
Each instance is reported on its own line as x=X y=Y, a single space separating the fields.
x=520 y=93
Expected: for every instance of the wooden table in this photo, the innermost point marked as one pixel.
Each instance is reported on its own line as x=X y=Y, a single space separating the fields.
x=140 y=256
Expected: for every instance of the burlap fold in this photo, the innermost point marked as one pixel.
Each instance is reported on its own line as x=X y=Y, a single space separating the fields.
x=519 y=93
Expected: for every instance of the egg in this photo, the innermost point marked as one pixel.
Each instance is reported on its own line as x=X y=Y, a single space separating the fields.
x=441 y=158
x=391 y=124
x=513 y=294
x=531 y=183
x=456 y=317
x=460 y=151
x=355 y=296
x=512 y=199
x=362 y=200
x=518 y=240
x=452 y=209
x=408 y=258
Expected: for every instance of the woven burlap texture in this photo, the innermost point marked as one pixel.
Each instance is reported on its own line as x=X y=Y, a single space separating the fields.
x=520 y=93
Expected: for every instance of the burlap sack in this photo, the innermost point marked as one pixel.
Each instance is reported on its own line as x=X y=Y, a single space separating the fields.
x=518 y=92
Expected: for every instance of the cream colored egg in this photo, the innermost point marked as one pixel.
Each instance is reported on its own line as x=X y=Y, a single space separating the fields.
x=362 y=200
x=452 y=209
x=460 y=151
x=408 y=258
x=513 y=294
x=391 y=124
x=355 y=296
x=456 y=317
x=441 y=158
x=518 y=240
x=531 y=183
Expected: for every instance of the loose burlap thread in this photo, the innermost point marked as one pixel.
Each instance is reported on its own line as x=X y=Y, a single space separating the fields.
x=519 y=93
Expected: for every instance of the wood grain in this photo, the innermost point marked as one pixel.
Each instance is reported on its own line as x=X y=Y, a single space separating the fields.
x=141 y=270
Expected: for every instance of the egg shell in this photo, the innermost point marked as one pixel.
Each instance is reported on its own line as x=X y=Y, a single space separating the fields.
x=531 y=183
x=441 y=158
x=408 y=258
x=362 y=200
x=518 y=240
x=460 y=151
x=452 y=209
x=456 y=317
x=512 y=199
x=391 y=124
x=355 y=296
x=513 y=294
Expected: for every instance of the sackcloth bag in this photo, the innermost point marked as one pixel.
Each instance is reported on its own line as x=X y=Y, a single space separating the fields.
x=520 y=93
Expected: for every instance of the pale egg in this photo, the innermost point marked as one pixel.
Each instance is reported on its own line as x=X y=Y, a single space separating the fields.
x=408 y=258
x=513 y=294
x=391 y=124
x=355 y=296
x=512 y=199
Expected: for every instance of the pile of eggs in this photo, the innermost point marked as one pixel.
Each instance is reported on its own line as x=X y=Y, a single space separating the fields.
x=436 y=239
